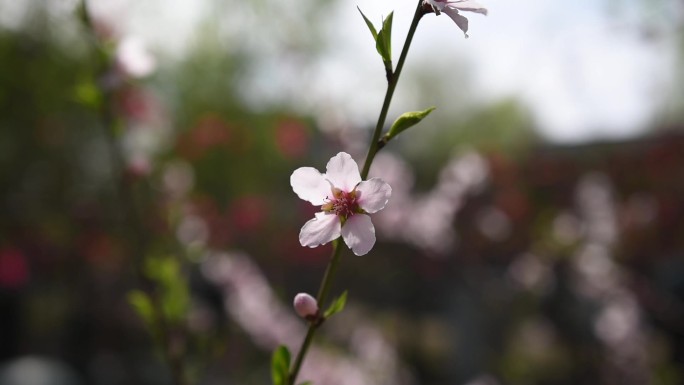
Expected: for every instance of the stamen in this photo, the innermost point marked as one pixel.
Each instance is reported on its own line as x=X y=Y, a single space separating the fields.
x=342 y=203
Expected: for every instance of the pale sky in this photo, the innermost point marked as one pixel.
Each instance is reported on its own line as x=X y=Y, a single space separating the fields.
x=582 y=72
x=581 y=68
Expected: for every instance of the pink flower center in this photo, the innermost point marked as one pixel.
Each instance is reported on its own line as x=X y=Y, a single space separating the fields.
x=343 y=204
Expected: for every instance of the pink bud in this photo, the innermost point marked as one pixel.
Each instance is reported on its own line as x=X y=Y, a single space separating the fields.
x=305 y=305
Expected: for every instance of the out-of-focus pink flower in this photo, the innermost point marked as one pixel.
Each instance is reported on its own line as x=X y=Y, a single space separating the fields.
x=133 y=58
x=345 y=201
x=209 y=132
x=249 y=212
x=451 y=8
x=292 y=138
x=305 y=306
x=178 y=179
x=136 y=104
x=139 y=165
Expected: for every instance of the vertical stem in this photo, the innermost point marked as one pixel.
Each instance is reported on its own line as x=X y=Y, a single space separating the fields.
x=320 y=298
x=393 y=80
x=329 y=273
x=324 y=290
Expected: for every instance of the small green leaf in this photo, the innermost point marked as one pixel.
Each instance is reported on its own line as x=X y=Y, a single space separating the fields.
x=383 y=44
x=381 y=47
x=306 y=383
x=142 y=304
x=383 y=39
x=280 y=365
x=387 y=30
x=337 y=306
x=406 y=121
x=370 y=25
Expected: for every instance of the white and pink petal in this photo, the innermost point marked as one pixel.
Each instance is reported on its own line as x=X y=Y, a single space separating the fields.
x=468 y=5
x=310 y=185
x=437 y=4
x=343 y=172
x=460 y=20
x=323 y=228
x=359 y=234
x=373 y=194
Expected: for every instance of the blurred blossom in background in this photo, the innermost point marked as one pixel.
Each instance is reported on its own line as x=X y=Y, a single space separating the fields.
x=534 y=235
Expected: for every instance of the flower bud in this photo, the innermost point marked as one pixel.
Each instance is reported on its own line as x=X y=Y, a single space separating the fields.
x=305 y=305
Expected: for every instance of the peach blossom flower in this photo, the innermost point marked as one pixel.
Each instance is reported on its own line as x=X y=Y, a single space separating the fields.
x=345 y=202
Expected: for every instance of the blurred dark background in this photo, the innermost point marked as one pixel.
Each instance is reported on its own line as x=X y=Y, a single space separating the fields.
x=136 y=183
